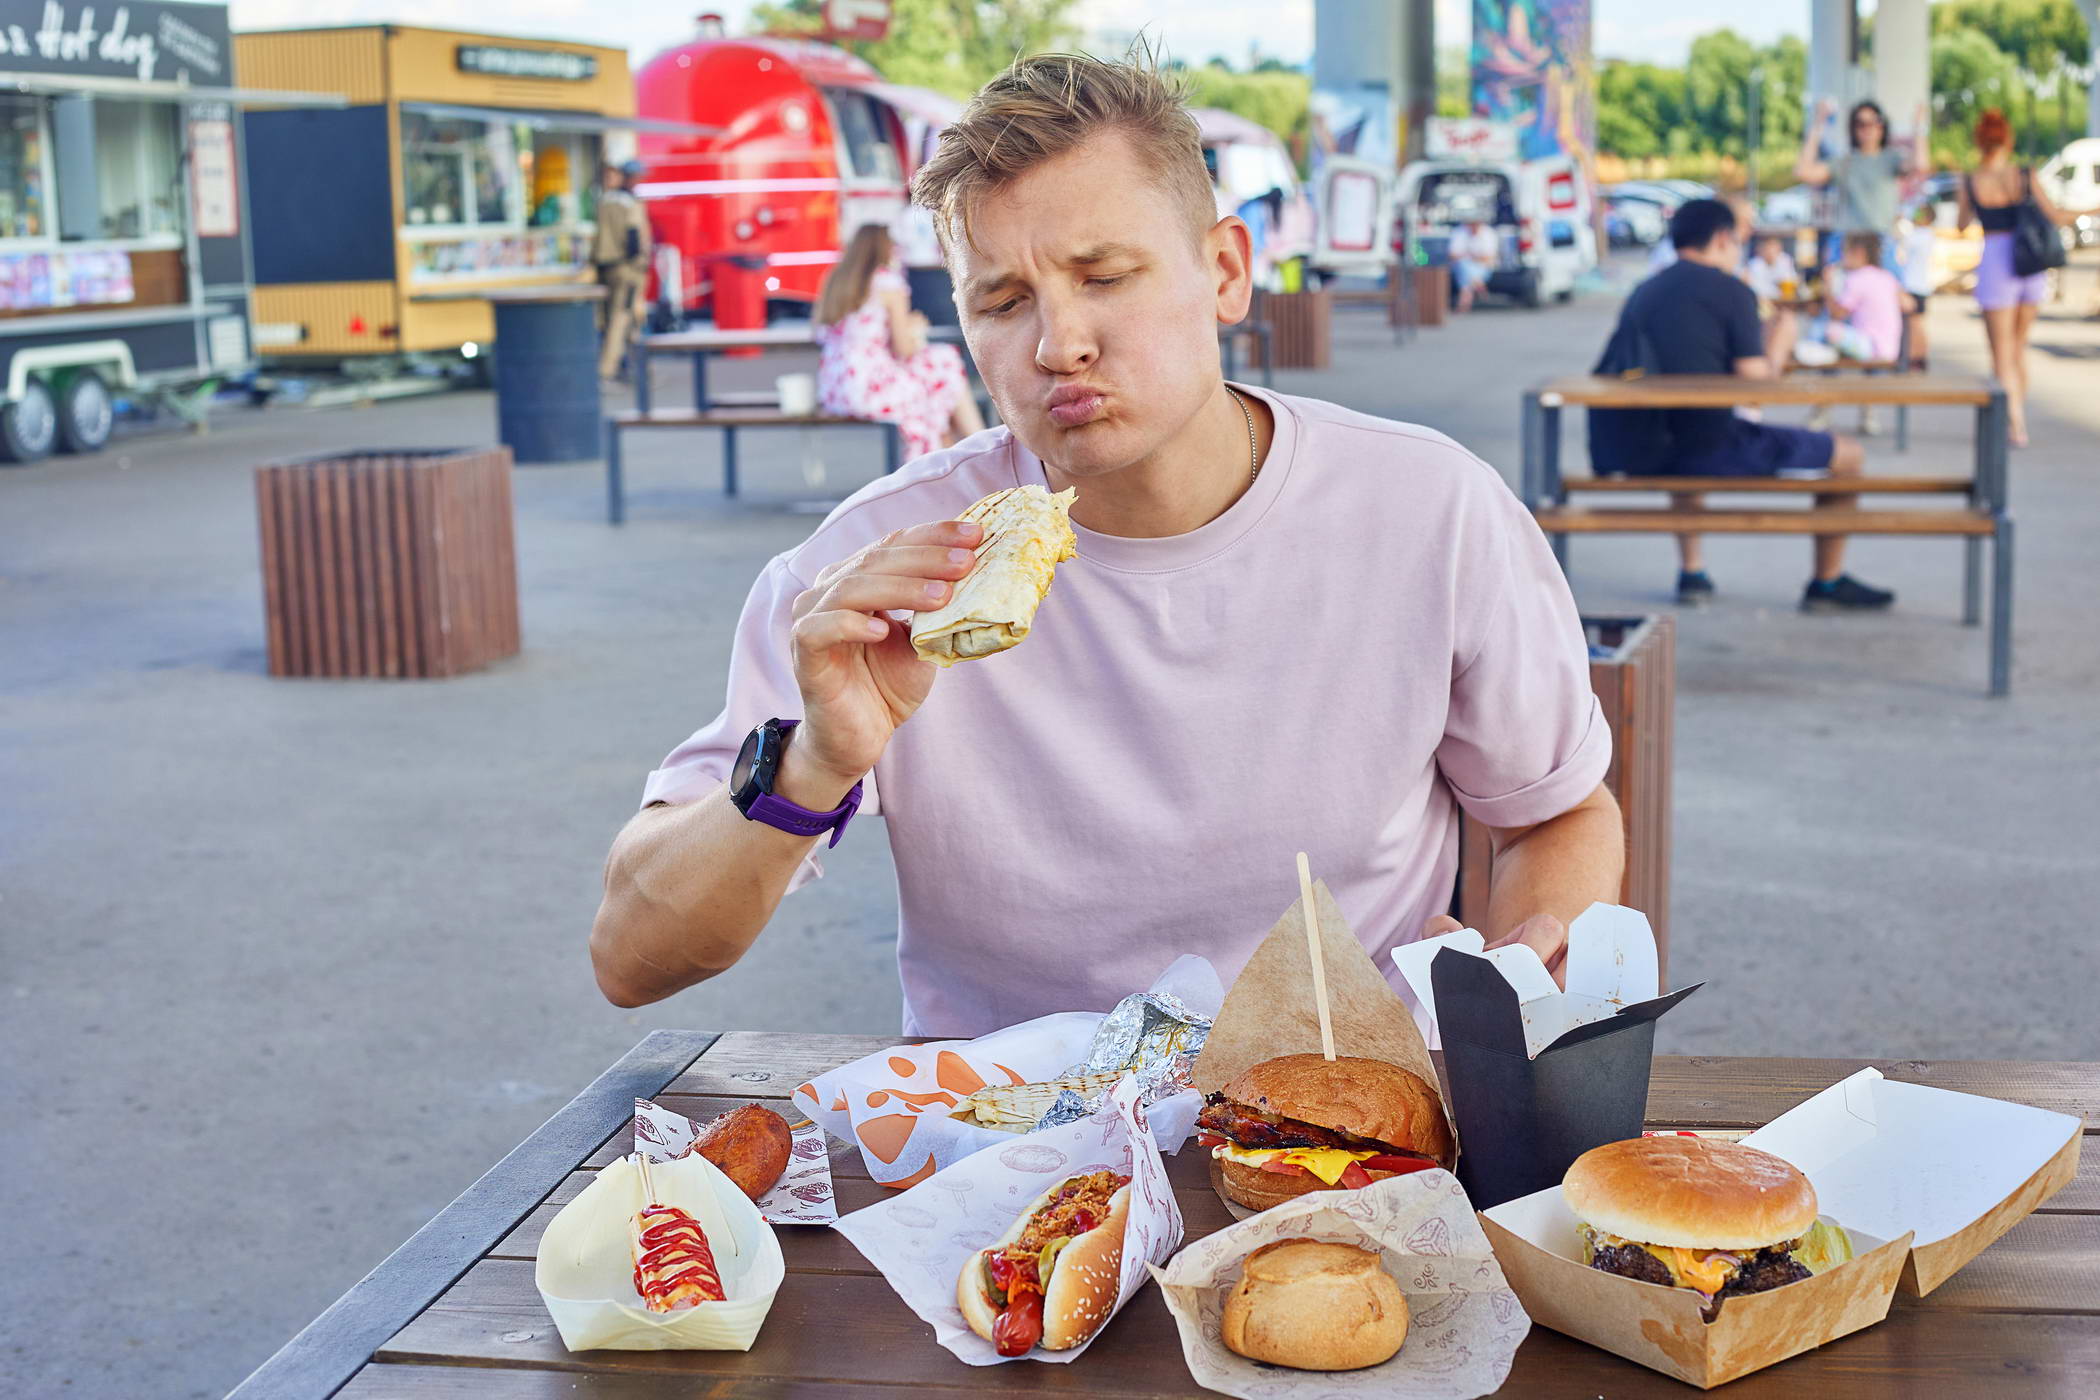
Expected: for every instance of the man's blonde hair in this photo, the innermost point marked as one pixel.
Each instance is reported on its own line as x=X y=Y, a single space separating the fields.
x=1048 y=104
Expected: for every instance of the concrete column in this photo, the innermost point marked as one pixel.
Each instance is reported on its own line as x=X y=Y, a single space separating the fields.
x=2091 y=10
x=1833 y=51
x=1379 y=52
x=1903 y=62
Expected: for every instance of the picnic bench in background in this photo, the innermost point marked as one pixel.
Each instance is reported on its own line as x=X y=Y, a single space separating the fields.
x=1982 y=513
x=453 y=1312
x=726 y=413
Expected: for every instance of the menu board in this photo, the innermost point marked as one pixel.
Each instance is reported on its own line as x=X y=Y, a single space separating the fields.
x=541 y=252
x=214 y=194
x=91 y=277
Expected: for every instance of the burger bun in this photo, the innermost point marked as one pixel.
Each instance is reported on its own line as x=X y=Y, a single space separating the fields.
x=1315 y=1306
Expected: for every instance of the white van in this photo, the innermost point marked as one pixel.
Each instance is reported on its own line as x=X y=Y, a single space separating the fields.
x=1341 y=223
x=2073 y=182
x=1541 y=208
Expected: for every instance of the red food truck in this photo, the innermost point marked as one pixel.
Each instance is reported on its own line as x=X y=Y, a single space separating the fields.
x=809 y=144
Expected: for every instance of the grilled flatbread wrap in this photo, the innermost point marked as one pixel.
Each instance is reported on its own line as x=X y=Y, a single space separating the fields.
x=1027 y=534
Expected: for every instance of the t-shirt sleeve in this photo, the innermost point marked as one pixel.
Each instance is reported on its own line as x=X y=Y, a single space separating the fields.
x=1746 y=336
x=761 y=687
x=1524 y=738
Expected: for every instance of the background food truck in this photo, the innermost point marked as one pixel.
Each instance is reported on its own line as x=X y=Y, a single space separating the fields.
x=458 y=162
x=123 y=238
x=807 y=145
x=1541 y=208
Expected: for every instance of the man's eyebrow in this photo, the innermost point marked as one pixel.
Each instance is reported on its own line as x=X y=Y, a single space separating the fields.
x=1101 y=253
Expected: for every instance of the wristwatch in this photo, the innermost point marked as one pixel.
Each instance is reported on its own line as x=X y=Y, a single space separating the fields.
x=751 y=787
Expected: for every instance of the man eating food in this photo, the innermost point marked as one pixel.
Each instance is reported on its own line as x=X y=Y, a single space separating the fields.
x=1288 y=626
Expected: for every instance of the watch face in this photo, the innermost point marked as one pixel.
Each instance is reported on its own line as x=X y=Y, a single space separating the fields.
x=746 y=758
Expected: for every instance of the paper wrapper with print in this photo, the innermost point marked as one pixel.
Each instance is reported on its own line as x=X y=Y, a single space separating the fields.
x=585 y=1270
x=921 y=1239
x=895 y=1104
x=1464 y=1322
x=1270 y=1010
x=803 y=1194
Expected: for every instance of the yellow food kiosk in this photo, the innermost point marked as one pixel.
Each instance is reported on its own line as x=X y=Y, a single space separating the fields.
x=461 y=162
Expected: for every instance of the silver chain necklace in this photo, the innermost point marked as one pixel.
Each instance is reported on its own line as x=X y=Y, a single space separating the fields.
x=1253 y=443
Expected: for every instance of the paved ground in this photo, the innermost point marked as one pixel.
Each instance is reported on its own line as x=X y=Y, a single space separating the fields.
x=285 y=965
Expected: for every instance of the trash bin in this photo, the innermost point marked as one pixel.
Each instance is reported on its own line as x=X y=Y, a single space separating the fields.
x=391 y=563
x=547 y=404
x=1302 y=327
x=738 y=297
x=1633 y=670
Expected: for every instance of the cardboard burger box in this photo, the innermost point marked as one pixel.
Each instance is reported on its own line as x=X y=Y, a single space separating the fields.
x=1537 y=1076
x=1922 y=1179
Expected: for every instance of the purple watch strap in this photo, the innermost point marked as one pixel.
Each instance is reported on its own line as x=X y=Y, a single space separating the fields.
x=789 y=816
x=777 y=812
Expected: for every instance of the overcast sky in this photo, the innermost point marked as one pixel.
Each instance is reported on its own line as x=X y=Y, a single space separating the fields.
x=1656 y=30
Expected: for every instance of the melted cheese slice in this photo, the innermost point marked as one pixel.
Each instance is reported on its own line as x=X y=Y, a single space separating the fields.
x=1326 y=1163
x=1706 y=1271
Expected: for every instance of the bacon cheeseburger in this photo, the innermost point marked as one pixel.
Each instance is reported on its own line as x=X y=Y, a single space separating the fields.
x=1302 y=1123
x=1053 y=1276
x=1716 y=1217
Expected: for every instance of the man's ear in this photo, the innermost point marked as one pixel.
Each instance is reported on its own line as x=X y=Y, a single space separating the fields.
x=1228 y=254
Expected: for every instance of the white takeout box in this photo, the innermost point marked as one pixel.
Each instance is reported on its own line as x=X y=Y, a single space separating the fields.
x=1921 y=1178
x=585 y=1270
x=1957 y=1170
x=1611 y=965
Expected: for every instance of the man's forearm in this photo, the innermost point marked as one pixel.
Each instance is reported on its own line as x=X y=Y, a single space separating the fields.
x=689 y=887
x=1560 y=867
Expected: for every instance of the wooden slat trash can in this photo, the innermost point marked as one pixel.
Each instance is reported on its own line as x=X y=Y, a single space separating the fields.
x=389 y=564
x=1432 y=293
x=1633 y=670
x=1301 y=326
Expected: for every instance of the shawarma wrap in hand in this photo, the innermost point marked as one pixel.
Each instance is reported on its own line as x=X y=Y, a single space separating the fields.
x=1027 y=534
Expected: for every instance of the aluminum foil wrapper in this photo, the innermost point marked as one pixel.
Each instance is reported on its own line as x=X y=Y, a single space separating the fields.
x=1154 y=1035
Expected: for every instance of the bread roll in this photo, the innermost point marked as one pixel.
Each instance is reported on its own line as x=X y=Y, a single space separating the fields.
x=1315 y=1306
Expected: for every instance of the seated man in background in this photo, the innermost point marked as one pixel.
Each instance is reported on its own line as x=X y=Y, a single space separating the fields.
x=1697 y=317
x=1475 y=251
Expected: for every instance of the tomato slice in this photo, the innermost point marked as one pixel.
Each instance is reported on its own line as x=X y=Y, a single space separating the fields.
x=1283 y=1168
x=1354 y=1177
x=1388 y=1163
x=1210 y=1140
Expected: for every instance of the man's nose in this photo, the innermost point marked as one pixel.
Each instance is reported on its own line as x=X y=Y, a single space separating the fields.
x=1067 y=343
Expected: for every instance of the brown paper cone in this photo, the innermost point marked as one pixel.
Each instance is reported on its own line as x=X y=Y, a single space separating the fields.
x=1269 y=1010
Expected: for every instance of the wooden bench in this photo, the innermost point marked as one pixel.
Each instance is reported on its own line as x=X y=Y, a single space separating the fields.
x=730 y=421
x=1982 y=515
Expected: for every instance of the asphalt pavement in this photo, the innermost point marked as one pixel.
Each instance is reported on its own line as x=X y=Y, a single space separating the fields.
x=284 y=965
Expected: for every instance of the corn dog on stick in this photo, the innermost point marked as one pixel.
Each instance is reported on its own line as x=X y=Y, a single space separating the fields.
x=673 y=1266
x=1027 y=534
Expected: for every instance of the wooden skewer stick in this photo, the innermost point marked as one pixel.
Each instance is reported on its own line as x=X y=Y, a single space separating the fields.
x=1319 y=956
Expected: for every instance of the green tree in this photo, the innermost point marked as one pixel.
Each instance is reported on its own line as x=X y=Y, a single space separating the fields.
x=2040 y=36
x=1275 y=99
x=951 y=46
x=1969 y=73
x=1638 y=106
x=1717 y=89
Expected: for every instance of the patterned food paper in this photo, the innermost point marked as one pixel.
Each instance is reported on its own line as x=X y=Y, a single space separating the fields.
x=1464 y=1321
x=921 y=1239
x=803 y=1194
x=585 y=1268
x=894 y=1104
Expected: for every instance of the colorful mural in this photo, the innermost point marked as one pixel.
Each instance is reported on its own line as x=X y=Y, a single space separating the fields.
x=1532 y=69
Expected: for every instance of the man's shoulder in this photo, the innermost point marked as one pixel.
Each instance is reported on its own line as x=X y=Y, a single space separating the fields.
x=938 y=486
x=1384 y=442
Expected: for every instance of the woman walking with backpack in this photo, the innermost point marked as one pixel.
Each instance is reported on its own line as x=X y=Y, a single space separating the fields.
x=2020 y=245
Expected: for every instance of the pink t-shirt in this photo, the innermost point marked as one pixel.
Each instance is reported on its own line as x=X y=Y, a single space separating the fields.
x=1374 y=630
x=1872 y=300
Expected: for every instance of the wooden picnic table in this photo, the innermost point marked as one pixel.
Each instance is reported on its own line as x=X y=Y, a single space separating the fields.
x=454 y=1312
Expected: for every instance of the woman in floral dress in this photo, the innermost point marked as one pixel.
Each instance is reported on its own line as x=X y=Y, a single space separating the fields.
x=876 y=361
